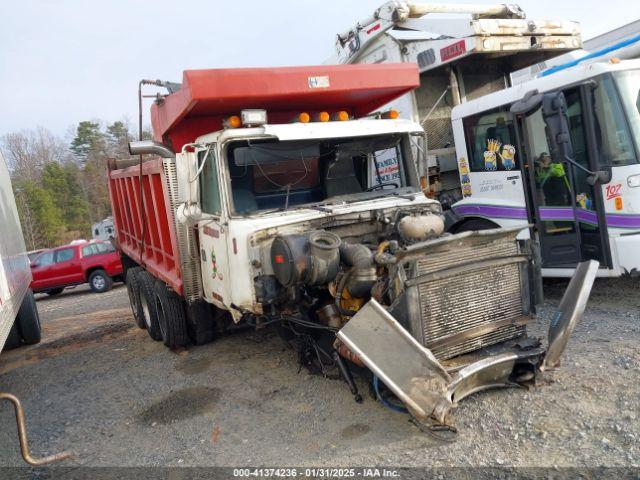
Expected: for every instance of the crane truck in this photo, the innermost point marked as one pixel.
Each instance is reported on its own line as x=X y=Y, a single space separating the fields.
x=19 y=318
x=459 y=59
x=266 y=198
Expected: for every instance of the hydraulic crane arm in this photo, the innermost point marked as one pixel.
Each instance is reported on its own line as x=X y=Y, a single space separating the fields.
x=392 y=14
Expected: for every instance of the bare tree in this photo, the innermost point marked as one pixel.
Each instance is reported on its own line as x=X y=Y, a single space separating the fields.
x=28 y=151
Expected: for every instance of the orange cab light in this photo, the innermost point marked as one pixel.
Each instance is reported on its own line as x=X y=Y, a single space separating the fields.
x=304 y=117
x=391 y=114
x=232 y=122
x=323 y=117
x=342 y=116
x=614 y=60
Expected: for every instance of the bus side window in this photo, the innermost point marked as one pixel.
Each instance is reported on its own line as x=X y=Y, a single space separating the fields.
x=491 y=143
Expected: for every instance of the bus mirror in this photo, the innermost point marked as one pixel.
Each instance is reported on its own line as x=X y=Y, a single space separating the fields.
x=530 y=102
x=599 y=177
x=554 y=112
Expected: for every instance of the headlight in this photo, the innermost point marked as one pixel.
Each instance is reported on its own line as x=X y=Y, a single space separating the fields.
x=633 y=181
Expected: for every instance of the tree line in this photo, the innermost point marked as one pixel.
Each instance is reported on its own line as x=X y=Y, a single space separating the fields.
x=61 y=187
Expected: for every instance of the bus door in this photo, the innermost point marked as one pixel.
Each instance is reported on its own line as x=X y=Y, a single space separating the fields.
x=566 y=209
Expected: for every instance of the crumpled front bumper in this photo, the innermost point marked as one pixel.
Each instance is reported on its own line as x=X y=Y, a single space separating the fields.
x=431 y=389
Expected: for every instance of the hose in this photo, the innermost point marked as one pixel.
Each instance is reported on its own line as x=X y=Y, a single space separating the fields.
x=385 y=402
x=339 y=289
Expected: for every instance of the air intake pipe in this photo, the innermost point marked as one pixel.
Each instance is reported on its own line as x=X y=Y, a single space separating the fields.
x=150 y=147
x=362 y=275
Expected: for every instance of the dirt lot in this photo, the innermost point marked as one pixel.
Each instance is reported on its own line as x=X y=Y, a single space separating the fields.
x=101 y=387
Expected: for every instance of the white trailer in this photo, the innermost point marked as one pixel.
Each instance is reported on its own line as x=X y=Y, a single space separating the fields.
x=103 y=230
x=19 y=320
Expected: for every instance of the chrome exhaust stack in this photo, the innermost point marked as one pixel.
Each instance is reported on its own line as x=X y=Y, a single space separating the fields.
x=150 y=147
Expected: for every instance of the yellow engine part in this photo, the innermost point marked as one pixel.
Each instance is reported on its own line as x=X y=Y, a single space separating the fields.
x=350 y=303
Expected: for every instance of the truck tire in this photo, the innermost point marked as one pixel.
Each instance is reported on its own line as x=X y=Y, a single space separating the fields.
x=146 y=284
x=133 y=289
x=13 y=339
x=171 y=316
x=201 y=322
x=54 y=291
x=28 y=320
x=99 y=281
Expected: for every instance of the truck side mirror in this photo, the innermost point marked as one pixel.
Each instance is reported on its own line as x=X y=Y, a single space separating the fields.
x=554 y=112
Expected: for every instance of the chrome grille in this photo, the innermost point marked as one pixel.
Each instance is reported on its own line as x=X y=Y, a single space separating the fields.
x=185 y=237
x=475 y=299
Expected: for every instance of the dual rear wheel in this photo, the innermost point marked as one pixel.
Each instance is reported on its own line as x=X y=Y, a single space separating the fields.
x=157 y=308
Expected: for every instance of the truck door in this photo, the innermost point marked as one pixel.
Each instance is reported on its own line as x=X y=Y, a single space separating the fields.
x=564 y=206
x=67 y=269
x=40 y=270
x=212 y=232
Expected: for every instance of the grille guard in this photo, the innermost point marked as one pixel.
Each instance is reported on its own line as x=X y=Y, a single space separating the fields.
x=427 y=387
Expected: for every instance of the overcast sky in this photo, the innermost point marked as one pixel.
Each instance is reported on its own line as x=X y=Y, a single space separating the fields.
x=65 y=61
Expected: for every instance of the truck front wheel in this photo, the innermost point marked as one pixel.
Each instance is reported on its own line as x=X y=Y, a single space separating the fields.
x=28 y=320
x=148 y=304
x=133 y=289
x=99 y=281
x=171 y=316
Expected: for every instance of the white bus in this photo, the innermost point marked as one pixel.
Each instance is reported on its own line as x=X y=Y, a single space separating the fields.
x=511 y=173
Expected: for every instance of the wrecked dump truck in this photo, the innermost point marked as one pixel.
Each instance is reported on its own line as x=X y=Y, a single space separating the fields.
x=285 y=196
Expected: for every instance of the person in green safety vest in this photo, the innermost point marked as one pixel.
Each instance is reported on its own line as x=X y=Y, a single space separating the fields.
x=551 y=179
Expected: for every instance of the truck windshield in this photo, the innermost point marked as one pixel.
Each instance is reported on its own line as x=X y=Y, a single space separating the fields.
x=629 y=87
x=268 y=175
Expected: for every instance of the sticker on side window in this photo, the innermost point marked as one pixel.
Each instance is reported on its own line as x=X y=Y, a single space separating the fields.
x=613 y=191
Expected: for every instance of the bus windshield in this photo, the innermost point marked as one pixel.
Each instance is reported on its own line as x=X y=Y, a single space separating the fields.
x=629 y=87
x=273 y=175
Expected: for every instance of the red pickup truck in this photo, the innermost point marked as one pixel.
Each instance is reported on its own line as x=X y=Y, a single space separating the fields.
x=96 y=263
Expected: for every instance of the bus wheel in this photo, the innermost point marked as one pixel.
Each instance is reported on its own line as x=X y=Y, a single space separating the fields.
x=148 y=304
x=472 y=225
x=29 y=320
x=133 y=289
x=171 y=316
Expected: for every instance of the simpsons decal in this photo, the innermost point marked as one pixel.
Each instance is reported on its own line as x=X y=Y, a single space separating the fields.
x=491 y=154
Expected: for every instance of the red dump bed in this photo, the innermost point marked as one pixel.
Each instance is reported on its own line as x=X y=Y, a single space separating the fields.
x=205 y=99
x=159 y=251
x=208 y=96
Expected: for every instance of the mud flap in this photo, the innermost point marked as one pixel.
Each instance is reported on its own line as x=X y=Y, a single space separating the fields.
x=569 y=313
x=407 y=368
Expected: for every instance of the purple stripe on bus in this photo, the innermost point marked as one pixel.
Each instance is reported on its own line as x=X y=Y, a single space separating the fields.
x=623 y=221
x=492 y=211
x=557 y=213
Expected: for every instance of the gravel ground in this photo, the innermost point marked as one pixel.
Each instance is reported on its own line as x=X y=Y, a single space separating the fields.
x=103 y=388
